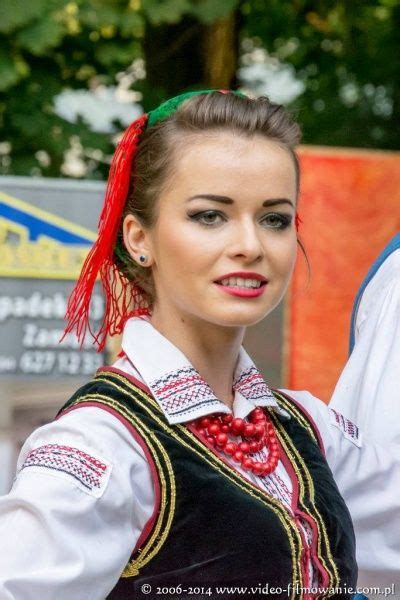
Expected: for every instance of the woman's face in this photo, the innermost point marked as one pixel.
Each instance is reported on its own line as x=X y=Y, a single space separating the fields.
x=224 y=244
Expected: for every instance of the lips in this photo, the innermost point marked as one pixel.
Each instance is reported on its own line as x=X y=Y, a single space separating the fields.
x=242 y=284
x=242 y=279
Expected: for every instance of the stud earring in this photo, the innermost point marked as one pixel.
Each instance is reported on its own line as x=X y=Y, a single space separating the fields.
x=142 y=258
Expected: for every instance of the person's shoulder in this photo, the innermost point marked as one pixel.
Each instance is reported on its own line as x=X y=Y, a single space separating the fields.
x=382 y=279
x=315 y=408
x=387 y=273
x=329 y=423
x=84 y=444
x=302 y=399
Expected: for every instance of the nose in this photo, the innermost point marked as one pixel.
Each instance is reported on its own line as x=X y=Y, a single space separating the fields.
x=247 y=243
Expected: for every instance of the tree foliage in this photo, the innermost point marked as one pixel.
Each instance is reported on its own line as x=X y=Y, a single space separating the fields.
x=344 y=52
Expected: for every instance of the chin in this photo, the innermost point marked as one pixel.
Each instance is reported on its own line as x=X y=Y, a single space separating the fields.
x=242 y=318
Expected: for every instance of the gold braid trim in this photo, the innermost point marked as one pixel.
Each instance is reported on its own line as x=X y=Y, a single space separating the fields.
x=165 y=471
x=299 y=466
x=277 y=508
x=128 y=387
x=295 y=458
x=297 y=414
x=303 y=475
x=180 y=432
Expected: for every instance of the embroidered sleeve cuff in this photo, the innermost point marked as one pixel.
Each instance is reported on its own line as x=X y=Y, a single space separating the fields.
x=87 y=471
x=349 y=429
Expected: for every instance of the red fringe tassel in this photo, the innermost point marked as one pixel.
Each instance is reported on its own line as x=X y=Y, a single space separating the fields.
x=119 y=293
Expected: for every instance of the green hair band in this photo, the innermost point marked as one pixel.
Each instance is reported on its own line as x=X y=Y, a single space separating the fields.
x=169 y=106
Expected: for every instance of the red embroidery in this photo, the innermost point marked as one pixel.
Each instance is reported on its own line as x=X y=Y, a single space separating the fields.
x=182 y=390
x=251 y=385
x=84 y=468
x=350 y=429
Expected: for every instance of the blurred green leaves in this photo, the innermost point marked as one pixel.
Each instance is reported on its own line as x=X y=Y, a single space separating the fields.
x=42 y=36
x=50 y=45
x=171 y=11
x=344 y=53
x=165 y=11
x=19 y=13
x=12 y=69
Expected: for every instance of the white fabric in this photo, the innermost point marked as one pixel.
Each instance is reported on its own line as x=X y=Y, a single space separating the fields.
x=160 y=364
x=39 y=504
x=368 y=390
x=368 y=478
x=59 y=542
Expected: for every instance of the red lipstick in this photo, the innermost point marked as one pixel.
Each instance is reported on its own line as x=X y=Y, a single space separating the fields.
x=242 y=291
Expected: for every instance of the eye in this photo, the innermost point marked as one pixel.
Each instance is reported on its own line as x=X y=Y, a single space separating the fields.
x=277 y=220
x=207 y=217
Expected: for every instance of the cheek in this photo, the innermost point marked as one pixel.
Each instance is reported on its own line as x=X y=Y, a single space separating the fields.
x=285 y=258
x=177 y=250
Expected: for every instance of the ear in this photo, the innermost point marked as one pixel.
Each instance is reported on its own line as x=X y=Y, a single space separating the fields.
x=136 y=240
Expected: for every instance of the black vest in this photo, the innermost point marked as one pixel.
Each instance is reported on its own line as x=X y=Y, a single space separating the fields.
x=214 y=528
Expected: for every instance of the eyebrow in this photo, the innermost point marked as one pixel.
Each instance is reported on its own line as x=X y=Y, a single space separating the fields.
x=228 y=200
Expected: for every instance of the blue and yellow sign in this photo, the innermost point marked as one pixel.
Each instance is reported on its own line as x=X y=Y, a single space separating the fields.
x=37 y=244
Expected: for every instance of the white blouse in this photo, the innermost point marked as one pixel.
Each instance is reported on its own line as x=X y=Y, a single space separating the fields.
x=84 y=491
x=368 y=388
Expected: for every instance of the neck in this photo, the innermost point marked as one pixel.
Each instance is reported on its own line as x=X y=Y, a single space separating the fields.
x=212 y=349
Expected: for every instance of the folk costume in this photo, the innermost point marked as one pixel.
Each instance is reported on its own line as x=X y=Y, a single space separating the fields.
x=368 y=393
x=133 y=484
x=372 y=371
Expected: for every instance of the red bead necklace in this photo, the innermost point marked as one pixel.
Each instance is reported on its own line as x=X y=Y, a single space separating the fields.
x=256 y=434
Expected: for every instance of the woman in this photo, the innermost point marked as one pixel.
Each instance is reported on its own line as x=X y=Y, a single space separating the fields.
x=178 y=471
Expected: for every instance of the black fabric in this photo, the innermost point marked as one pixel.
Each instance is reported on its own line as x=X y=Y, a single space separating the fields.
x=224 y=531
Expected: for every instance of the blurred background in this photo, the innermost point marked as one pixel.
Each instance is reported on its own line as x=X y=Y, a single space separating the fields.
x=73 y=75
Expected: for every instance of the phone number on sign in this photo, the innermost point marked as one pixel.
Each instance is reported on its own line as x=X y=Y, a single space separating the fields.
x=40 y=362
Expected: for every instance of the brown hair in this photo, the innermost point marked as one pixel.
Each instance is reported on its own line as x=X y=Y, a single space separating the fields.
x=159 y=147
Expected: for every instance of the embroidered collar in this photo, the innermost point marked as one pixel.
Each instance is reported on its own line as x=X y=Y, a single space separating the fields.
x=178 y=387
